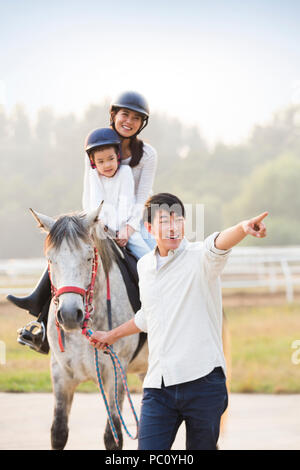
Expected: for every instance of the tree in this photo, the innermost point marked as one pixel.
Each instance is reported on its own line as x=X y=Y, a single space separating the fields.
x=274 y=187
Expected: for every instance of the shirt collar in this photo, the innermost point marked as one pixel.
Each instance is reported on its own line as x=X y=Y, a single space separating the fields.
x=183 y=244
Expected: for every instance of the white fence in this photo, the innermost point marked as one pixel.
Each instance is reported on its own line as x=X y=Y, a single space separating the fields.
x=247 y=267
x=270 y=267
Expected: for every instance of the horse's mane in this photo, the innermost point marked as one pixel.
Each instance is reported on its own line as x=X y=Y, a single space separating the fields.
x=71 y=228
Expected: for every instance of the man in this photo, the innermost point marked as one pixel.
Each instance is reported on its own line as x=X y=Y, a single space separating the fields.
x=181 y=310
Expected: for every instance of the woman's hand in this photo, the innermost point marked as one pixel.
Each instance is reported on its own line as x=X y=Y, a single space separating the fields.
x=124 y=235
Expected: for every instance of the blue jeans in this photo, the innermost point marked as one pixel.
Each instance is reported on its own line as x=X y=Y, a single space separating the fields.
x=200 y=403
x=141 y=242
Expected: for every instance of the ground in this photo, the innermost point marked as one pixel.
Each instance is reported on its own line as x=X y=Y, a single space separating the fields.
x=262 y=329
x=254 y=422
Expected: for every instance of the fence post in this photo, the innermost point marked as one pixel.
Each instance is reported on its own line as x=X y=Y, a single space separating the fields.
x=288 y=280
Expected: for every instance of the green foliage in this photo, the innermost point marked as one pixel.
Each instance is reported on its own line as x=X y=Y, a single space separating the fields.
x=41 y=166
x=261 y=348
x=272 y=186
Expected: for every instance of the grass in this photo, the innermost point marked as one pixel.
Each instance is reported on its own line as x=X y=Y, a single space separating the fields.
x=261 y=339
x=261 y=352
x=25 y=370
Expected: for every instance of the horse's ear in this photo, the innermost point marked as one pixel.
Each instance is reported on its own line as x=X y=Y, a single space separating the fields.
x=92 y=217
x=44 y=222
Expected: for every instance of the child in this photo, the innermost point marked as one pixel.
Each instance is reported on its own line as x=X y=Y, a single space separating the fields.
x=113 y=183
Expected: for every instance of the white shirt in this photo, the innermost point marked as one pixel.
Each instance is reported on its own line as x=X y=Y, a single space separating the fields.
x=118 y=195
x=160 y=261
x=181 y=310
x=143 y=176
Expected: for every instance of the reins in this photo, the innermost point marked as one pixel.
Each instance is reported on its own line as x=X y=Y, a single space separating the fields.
x=88 y=295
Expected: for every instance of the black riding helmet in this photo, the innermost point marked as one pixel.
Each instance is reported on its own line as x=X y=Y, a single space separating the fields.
x=133 y=101
x=99 y=138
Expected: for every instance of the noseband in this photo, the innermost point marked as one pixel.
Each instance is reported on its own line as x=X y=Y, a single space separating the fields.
x=88 y=300
x=87 y=295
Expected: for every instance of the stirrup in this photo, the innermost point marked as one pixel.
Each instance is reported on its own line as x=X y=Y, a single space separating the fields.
x=34 y=339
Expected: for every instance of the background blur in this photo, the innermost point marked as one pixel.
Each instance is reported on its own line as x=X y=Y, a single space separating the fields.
x=223 y=83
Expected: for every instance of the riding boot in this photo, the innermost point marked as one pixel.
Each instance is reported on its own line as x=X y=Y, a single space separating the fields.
x=36 y=300
x=34 y=334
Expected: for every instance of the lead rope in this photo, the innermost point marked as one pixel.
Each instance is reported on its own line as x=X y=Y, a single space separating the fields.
x=88 y=297
x=116 y=363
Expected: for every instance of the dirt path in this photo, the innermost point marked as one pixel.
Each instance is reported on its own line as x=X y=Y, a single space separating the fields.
x=254 y=422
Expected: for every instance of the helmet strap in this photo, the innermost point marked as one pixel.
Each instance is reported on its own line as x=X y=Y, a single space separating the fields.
x=91 y=161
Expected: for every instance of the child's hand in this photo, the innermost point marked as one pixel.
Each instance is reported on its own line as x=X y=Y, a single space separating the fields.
x=124 y=234
x=255 y=226
x=122 y=237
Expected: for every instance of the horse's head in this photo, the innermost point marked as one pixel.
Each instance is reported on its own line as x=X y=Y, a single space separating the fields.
x=69 y=248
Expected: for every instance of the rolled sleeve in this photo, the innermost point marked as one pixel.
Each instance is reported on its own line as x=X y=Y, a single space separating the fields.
x=214 y=258
x=211 y=244
x=140 y=320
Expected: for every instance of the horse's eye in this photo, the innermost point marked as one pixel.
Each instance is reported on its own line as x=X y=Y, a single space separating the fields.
x=89 y=259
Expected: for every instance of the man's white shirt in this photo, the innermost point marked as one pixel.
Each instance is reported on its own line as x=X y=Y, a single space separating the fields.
x=181 y=310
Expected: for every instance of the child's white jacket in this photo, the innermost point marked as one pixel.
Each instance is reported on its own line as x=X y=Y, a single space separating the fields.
x=117 y=193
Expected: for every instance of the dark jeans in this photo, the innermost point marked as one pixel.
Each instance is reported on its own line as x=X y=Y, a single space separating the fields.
x=200 y=403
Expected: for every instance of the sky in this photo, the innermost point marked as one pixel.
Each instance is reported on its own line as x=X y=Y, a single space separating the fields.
x=222 y=65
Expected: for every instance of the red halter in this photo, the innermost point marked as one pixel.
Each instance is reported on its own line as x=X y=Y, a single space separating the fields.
x=88 y=298
x=86 y=294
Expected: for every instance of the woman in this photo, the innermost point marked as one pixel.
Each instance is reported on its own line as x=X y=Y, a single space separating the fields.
x=129 y=114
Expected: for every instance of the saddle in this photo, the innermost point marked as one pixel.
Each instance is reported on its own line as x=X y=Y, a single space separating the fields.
x=127 y=262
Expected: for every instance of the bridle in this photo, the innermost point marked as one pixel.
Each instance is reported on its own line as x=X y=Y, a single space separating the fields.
x=87 y=295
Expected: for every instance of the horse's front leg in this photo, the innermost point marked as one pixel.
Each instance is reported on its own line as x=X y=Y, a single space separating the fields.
x=63 y=388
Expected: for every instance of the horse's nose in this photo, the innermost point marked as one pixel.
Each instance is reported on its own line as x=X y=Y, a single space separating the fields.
x=70 y=319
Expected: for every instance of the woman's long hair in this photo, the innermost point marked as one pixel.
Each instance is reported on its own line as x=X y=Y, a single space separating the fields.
x=137 y=148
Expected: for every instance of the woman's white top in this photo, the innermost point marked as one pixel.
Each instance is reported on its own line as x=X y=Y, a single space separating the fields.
x=143 y=178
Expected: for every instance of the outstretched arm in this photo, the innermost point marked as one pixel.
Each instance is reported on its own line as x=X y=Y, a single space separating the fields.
x=100 y=339
x=234 y=235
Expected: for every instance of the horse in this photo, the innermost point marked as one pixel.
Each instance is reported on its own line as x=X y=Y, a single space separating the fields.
x=69 y=247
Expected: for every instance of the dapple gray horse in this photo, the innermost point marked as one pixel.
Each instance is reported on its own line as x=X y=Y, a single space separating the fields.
x=69 y=248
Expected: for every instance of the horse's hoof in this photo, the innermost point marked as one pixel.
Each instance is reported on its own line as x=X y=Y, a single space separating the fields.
x=109 y=442
x=59 y=440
